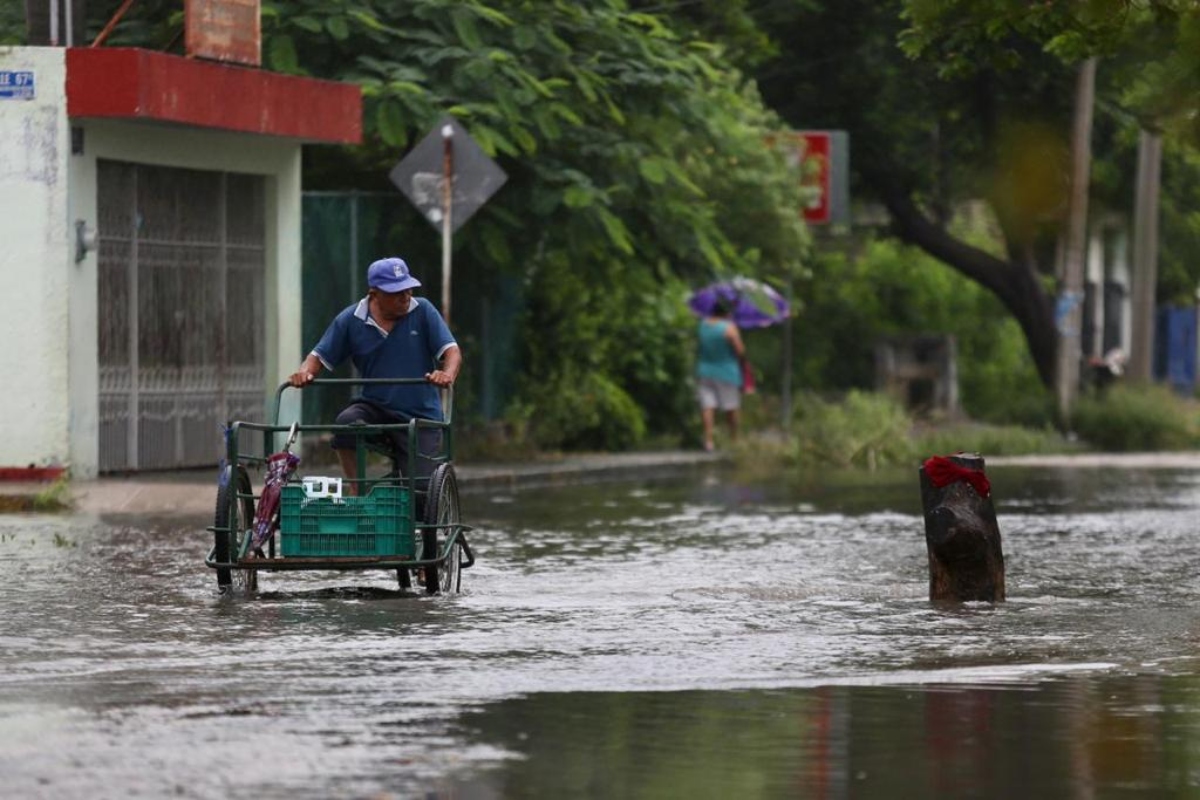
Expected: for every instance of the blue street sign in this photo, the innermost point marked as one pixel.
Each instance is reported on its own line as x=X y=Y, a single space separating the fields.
x=16 y=85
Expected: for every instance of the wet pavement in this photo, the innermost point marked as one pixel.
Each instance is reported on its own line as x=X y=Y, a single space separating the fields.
x=699 y=635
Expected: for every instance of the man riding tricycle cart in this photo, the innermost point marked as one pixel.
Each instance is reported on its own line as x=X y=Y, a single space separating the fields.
x=408 y=518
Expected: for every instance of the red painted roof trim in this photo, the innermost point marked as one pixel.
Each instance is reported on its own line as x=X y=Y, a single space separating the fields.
x=128 y=83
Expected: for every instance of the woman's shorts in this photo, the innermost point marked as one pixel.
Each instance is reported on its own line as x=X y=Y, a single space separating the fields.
x=719 y=394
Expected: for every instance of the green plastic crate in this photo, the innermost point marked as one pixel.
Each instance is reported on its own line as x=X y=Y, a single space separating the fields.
x=376 y=525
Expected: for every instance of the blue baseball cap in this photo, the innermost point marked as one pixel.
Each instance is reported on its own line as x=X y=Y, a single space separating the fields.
x=390 y=275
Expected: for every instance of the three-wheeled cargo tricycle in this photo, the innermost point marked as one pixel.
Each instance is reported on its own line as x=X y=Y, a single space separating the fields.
x=405 y=519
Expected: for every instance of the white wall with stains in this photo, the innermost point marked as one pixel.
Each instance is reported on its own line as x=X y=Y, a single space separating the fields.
x=48 y=300
x=36 y=260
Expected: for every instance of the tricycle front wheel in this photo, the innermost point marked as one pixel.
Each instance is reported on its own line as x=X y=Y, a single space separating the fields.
x=232 y=521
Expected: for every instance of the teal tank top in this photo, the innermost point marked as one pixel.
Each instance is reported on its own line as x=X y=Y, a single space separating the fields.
x=716 y=358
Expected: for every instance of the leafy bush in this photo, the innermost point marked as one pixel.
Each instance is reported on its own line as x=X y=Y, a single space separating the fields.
x=1031 y=406
x=886 y=289
x=584 y=412
x=604 y=365
x=865 y=430
x=1132 y=417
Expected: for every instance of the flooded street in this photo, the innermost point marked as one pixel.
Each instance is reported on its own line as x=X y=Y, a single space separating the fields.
x=685 y=638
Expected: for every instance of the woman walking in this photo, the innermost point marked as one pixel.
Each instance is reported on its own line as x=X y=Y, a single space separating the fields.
x=719 y=371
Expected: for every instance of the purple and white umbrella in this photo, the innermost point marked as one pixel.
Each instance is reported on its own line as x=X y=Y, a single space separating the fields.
x=754 y=304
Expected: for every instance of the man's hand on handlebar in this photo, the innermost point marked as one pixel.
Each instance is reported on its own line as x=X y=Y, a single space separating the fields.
x=450 y=363
x=439 y=378
x=301 y=378
x=307 y=371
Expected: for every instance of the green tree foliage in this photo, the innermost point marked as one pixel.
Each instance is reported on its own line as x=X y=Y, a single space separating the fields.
x=1149 y=78
x=888 y=289
x=1179 y=267
x=636 y=160
x=923 y=143
x=637 y=166
x=12 y=24
x=1152 y=46
x=1143 y=46
x=977 y=105
x=741 y=27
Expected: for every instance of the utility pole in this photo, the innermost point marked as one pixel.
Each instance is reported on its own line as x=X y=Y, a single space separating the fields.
x=1069 y=309
x=1145 y=255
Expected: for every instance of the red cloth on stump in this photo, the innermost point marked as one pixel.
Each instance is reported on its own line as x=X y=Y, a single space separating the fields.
x=943 y=472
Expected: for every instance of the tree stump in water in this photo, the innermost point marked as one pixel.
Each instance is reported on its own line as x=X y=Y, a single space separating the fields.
x=962 y=536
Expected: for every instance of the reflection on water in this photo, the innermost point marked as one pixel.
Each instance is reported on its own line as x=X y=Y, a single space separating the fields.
x=1060 y=738
x=662 y=639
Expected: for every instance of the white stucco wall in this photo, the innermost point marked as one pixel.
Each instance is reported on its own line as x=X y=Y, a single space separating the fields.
x=48 y=313
x=35 y=262
x=278 y=160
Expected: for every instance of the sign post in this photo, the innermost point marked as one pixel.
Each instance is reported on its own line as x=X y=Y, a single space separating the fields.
x=448 y=177
x=447 y=214
x=822 y=160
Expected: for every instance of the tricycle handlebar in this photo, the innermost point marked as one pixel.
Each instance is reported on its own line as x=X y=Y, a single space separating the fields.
x=447 y=398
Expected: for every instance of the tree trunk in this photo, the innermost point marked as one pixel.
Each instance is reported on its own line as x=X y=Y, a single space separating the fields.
x=1071 y=284
x=1015 y=282
x=1145 y=255
x=962 y=537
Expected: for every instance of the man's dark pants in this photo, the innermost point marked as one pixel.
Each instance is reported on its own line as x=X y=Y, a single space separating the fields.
x=429 y=440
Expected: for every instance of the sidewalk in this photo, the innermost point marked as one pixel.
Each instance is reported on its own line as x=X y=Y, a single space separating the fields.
x=194 y=492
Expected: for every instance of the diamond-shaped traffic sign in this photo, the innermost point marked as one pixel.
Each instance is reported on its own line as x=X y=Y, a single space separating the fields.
x=474 y=176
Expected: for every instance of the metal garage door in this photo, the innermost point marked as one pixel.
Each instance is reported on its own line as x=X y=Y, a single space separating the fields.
x=181 y=306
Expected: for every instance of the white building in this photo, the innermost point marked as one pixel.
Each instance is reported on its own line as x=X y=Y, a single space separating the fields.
x=149 y=251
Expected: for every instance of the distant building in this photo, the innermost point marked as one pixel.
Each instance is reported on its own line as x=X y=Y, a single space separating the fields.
x=921 y=372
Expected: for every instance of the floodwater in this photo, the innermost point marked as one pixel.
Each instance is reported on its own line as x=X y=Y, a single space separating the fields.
x=692 y=638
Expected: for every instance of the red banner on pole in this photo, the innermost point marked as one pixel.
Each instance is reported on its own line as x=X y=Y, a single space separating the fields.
x=814 y=174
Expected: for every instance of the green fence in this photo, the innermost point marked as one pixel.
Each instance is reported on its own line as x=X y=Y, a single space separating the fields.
x=344 y=232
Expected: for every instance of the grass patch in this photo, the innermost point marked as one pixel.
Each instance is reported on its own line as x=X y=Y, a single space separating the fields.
x=1133 y=417
x=993 y=440
x=864 y=429
x=55 y=497
x=870 y=431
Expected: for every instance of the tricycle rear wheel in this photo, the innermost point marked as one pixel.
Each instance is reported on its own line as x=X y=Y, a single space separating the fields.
x=231 y=522
x=442 y=509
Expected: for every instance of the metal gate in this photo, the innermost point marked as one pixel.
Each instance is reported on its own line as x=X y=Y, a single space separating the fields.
x=181 y=307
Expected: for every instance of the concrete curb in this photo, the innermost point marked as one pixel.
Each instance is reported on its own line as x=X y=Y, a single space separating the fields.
x=193 y=493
